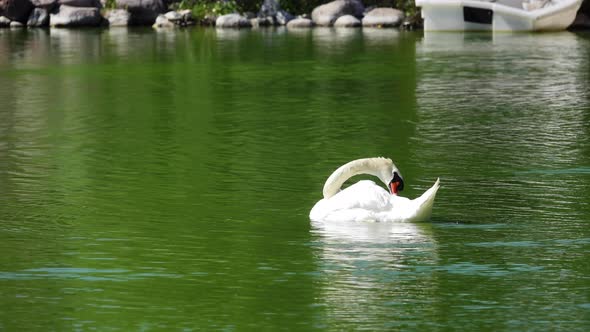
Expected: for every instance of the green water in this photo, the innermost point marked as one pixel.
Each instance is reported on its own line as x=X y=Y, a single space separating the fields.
x=161 y=181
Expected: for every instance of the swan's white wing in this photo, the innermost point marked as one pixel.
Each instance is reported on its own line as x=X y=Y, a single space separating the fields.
x=357 y=202
x=362 y=195
x=418 y=209
x=366 y=201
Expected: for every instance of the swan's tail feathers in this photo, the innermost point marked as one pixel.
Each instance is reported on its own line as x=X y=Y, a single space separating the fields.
x=436 y=185
x=426 y=201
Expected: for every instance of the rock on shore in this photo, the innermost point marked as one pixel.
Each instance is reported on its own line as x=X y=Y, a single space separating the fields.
x=299 y=23
x=327 y=14
x=271 y=13
x=48 y=5
x=117 y=17
x=69 y=16
x=81 y=3
x=38 y=18
x=142 y=12
x=16 y=10
x=232 y=21
x=4 y=22
x=383 y=17
x=347 y=21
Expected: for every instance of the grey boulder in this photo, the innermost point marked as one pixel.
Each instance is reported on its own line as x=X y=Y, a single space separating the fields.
x=173 y=16
x=282 y=17
x=299 y=23
x=187 y=15
x=16 y=10
x=232 y=21
x=327 y=14
x=269 y=8
x=45 y=4
x=39 y=18
x=117 y=17
x=263 y=21
x=81 y=3
x=16 y=25
x=347 y=21
x=163 y=22
x=383 y=17
x=143 y=12
x=69 y=16
x=4 y=22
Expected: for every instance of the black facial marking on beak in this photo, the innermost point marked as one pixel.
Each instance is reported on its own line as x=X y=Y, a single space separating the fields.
x=399 y=180
x=396 y=184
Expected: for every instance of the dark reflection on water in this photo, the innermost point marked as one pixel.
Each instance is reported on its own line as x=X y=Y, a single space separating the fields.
x=162 y=180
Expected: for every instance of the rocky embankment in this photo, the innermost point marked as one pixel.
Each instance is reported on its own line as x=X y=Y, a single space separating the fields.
x=89 y=13
x=92 y=13
x=79 y=13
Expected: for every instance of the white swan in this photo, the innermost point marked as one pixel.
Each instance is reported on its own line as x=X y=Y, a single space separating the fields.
x=365 y=200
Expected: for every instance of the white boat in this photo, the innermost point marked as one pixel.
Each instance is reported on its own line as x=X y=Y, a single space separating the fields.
x=498 y=15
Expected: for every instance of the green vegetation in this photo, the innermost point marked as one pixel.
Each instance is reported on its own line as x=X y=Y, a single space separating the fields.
x=203 y=8
x=216 y=8
x=110 y=4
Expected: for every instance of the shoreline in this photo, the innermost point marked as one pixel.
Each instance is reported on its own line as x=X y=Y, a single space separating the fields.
x=338 y=14
x=166 y=14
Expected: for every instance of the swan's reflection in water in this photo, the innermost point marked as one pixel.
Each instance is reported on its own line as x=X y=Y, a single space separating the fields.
x=375 y=271
x=371 y=232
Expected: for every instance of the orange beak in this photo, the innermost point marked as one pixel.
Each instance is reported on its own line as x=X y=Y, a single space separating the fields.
x=393 y=187
x=396 y=184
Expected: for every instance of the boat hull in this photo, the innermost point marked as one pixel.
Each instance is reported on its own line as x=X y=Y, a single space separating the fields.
x=464 y=15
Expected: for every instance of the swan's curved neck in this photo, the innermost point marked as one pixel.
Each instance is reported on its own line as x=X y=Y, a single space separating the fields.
x=371 y=166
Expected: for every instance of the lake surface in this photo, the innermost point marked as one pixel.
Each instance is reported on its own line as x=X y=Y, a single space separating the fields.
x=162 y=180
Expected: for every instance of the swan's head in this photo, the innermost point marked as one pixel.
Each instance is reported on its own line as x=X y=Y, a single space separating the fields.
x=396 y=184
x=390 y=176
